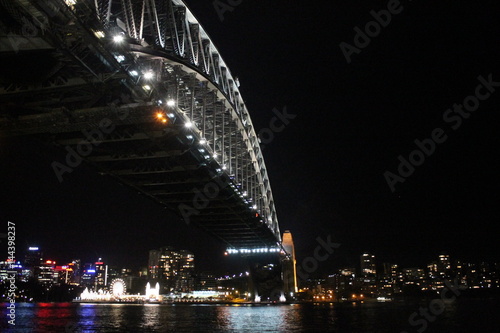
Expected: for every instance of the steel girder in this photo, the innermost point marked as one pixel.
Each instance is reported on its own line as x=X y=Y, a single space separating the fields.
x=163 y=39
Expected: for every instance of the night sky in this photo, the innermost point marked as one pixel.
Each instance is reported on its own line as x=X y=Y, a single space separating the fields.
x=327 y=166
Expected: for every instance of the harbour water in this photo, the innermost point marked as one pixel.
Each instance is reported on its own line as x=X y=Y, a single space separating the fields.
x=462 y=315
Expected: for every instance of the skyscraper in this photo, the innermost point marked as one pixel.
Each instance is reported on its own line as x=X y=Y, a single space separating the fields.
x=173 y=269
x=368 y=264
x=101 y=275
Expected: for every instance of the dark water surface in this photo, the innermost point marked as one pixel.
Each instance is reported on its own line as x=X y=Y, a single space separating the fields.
x=462 y=315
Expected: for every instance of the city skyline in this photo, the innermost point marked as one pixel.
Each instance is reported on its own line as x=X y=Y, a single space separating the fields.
x=367 y=263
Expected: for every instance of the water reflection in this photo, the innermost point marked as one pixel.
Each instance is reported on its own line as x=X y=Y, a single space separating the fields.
x=461 y=316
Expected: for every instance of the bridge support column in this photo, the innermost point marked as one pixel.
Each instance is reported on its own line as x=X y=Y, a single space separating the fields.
x=265 y=279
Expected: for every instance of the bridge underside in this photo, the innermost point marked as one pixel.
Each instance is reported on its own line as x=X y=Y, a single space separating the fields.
x=169 y=124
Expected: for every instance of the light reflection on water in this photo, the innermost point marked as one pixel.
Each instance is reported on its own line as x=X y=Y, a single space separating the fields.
x=463 y=316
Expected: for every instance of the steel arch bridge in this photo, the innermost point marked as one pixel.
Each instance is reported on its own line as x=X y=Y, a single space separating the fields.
x=137 y=88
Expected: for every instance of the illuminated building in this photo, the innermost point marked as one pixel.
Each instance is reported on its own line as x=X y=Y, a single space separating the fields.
x=173 y=269
x=289 y=265
x=184 y=281
x=368 y=264
x=46 y=274
x=33 y=260
x=206 y=281
x=154 y=264
x=101 y=275
x=443 y=265
x=88 y=276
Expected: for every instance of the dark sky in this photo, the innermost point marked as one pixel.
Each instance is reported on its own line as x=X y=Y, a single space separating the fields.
x=327 y=166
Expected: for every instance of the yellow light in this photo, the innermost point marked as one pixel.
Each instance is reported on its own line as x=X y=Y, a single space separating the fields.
x=164 y=120
x=159 y=115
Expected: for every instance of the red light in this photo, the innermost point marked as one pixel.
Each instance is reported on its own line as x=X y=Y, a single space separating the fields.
x=99 y=263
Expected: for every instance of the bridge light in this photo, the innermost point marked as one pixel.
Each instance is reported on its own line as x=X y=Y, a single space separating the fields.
x=146 y=87
x=99 y=34
x=224 y=167
x=118 y=38
x=148 y=75
x=120 y=58
x=215 y=155
x=203 y=141
x=134 y=73
x=171 y=102
x=188 y=124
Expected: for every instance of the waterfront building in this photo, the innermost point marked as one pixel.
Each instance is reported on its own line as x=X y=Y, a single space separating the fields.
x=172 y=268
x=368 y=266
x=101 y=275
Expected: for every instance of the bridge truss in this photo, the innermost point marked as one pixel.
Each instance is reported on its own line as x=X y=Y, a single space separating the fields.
x=176 y=121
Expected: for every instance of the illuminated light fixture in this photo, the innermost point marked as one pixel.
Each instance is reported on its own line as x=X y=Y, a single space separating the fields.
x=159 y=115
x=134 y=73
x=188 y=124
x=70 y=2
x=190 y=137
x=99 y=34
x=120 y=58
x=33 y=248
x=146 y=87
x=148 y=75
x=171 y=115
x=171 y=102
x=215 y=155
x=254 y=207
x=203 y=141
x=118 y=38
x=245 y=193
x=224 y=167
